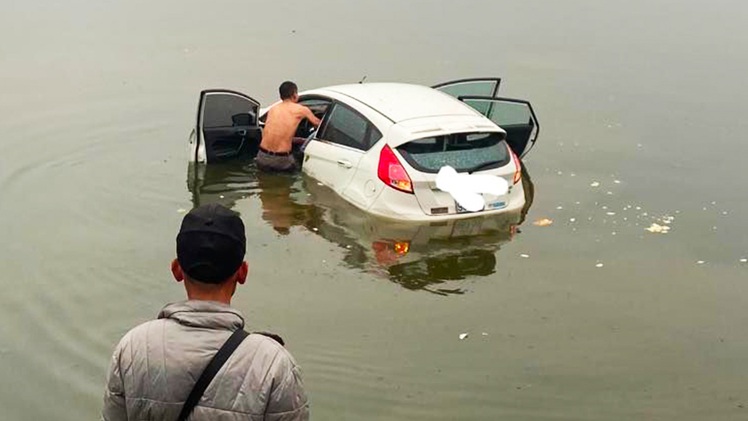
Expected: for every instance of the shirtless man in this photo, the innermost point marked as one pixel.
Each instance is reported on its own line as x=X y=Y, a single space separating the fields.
x=280 y=128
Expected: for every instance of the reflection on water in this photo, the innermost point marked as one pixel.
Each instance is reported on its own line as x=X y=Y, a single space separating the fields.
x=425 y=256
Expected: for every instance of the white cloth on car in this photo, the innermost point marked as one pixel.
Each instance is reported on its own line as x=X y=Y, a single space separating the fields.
x=468 y=189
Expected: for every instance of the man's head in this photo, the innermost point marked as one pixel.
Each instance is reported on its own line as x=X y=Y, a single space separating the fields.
x=210 y=249
x=288 y=90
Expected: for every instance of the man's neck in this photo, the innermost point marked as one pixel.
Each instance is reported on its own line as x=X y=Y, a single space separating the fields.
x=203 y=292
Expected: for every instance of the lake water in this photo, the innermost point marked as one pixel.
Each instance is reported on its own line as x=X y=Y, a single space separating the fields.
x=642 y=112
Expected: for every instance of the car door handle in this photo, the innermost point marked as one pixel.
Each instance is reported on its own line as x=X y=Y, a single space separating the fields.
x=241 y=132
x=345 y=164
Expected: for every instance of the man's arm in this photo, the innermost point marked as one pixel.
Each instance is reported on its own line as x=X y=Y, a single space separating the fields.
x=287 y=400
x=309 y=115
x=115 y=408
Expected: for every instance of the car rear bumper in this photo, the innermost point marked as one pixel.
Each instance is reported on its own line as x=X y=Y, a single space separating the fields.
x=393 y=204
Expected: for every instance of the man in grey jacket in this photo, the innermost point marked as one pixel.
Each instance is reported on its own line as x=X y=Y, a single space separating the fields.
x=156 y=364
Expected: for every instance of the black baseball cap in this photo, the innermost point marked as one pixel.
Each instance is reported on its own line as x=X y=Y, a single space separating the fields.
x=211 y=243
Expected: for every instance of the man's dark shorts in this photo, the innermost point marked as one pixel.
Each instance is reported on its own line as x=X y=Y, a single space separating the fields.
x=275 y=162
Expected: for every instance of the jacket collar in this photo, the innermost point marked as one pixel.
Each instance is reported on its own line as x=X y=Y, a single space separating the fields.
x=205 y=314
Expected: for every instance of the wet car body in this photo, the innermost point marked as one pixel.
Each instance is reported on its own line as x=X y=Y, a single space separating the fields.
x=381 y=145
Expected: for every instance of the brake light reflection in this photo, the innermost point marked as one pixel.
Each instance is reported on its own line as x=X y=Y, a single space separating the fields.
x=401 y=247
x=387 y=252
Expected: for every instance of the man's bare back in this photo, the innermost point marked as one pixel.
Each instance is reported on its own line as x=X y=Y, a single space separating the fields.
x=281 y=124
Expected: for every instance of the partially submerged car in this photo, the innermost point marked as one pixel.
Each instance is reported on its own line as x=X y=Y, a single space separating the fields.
x=380 y=146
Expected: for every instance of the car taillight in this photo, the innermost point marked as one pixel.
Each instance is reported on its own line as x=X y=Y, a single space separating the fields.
x=517 y=167
x=391 y=172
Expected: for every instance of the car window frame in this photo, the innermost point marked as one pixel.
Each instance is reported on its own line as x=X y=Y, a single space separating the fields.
x=371 y=136
x=209 y=94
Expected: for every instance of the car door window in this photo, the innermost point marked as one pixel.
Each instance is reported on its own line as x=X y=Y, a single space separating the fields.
x=515 y=116
x=345 y=126
x=319 y=107
x=486 y=87
x=227 y=110
x=473 y=87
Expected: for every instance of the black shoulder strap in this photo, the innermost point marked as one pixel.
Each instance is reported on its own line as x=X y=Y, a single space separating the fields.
x=210 y=371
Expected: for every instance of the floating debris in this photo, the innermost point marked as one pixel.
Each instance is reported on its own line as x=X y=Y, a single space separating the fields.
x=315 y=229
x=484 y=334
x=609 y=193
x=700 y=262
x=617 y=181
x=559 y=207
x=599 y=265
x=743 y=260
x=463 y=336
x=610 y=213
x=595 y=184
x=543 y=222
x=572 y=219
x=658 y=229
x=523 y=255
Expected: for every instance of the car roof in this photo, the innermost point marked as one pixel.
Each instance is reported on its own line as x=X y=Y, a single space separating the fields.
x=402 y=101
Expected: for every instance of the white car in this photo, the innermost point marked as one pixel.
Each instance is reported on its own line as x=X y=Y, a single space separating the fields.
x=381 y=145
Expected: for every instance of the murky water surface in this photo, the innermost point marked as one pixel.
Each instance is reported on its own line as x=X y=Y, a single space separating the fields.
x=592 y=317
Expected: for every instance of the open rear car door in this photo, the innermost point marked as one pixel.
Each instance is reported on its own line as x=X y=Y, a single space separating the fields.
x=516 y=116
x=226 y=127
x=479 y=86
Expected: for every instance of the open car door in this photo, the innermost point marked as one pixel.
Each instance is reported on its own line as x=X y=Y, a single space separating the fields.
x=479 y=86
x=226 y=128
x=515 y=116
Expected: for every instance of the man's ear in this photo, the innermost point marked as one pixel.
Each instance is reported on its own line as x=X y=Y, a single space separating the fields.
x=176 y=271
x=242 y=272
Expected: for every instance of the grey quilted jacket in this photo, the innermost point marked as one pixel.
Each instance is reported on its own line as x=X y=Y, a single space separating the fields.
x=156 y=364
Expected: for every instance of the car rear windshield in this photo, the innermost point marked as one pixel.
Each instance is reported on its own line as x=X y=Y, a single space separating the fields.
x=465 y=152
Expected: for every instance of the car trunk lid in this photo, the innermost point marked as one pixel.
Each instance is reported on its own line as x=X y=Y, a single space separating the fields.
x=471 y=152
